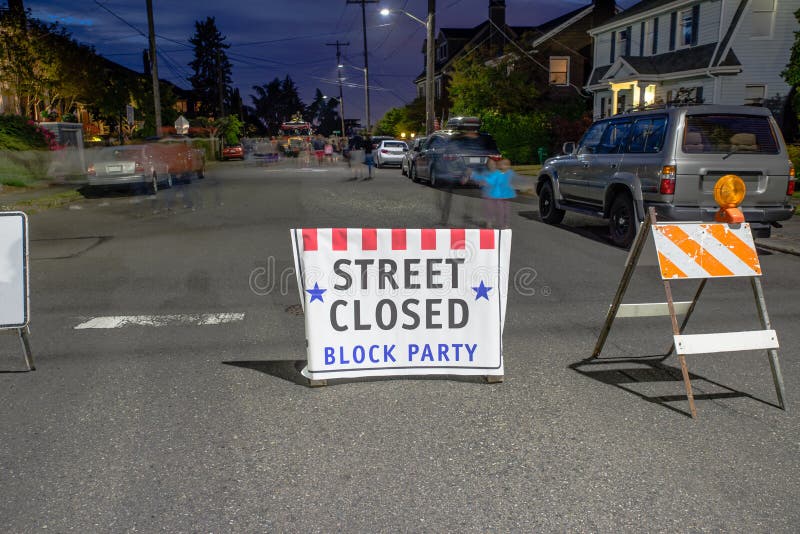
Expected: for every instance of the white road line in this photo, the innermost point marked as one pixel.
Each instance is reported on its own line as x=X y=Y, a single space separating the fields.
x=196 y=319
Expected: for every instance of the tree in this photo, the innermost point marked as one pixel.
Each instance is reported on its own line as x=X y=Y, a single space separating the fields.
x=276 y=102
x=792 y=72
x=481 y=83
x=322 y=114
x=408 y=119
x=211 y=66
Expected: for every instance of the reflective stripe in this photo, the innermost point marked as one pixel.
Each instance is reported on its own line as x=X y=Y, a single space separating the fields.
x=694 y=250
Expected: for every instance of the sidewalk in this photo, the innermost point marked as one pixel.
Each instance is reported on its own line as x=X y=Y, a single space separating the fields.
x=786 y=239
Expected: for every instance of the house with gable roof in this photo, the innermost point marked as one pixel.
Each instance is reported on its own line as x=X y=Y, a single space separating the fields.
x=678 y=52
x=560 y=48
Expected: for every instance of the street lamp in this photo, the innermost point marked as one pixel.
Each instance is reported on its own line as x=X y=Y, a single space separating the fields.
x=429 y=65
x=366 y=90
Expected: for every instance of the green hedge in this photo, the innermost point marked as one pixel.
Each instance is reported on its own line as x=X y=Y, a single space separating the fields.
x=18 y=133
x=794 y=155
x=518 y=136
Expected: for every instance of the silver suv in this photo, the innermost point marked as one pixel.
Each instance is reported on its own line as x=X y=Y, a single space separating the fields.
x=670 y=159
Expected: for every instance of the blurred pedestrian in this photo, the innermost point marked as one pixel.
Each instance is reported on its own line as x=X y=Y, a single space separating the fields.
x=368 y=161
x=318 y=144
x=328 y=151
x=498 y=191
x=357 y=156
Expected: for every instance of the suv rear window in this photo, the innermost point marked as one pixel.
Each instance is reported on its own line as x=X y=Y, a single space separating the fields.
x=477 y=143
x=723 y=134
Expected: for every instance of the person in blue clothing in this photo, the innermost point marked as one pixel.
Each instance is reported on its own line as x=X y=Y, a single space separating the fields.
x=497 y=192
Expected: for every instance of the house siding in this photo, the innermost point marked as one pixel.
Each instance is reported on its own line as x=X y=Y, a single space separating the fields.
x=761 y=59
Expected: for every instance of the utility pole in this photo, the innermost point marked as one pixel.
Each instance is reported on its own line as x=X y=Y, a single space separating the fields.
x=337 y=44
x=430 y=24
x=220 y=85
x=366 y=59
x=154 y=67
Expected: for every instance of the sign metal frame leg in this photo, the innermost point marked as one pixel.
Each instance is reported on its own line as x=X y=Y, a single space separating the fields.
x=26 y=347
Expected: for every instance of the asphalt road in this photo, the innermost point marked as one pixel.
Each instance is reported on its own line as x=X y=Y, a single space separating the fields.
x=211 y=428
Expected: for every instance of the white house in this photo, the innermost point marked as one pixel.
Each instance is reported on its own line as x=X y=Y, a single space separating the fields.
x=683 y=51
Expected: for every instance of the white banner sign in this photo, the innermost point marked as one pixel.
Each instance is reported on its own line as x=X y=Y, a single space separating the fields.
x=382 y=302
x=13 y=270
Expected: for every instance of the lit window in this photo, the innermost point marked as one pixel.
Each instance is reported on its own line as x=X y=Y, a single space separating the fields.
x=763 y=17
x=559 y=71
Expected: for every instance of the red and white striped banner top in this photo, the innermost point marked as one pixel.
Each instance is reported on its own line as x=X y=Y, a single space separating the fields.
x=396 y=239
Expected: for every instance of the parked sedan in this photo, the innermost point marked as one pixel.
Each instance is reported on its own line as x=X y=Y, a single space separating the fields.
x=129 y=164
x=411 y=155
x=233 y=152
x=390 y=153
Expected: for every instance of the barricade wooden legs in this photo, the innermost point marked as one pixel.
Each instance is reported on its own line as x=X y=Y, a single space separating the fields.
x=777 y=376
x=698 y=253
x=676 y=330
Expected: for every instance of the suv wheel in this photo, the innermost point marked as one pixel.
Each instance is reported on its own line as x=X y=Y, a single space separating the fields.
x=548 y=211
x=622 y=221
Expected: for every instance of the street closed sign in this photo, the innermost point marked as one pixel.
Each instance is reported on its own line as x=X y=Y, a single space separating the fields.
x=13 y=270
x=381 y=302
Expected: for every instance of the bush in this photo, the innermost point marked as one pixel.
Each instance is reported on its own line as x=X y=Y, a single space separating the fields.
x=518 y=136
x=794 y=155
x=18 y=133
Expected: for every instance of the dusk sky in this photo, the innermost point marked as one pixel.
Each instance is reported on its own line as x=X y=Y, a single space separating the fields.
x=273 y=38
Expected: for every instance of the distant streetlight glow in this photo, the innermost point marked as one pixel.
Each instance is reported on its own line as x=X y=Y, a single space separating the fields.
x=429 y=64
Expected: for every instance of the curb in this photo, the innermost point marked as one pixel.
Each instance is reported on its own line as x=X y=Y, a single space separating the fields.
x=785 y=249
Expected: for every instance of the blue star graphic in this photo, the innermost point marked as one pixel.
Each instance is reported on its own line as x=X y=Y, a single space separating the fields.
x=482 y=291
x=316 y=293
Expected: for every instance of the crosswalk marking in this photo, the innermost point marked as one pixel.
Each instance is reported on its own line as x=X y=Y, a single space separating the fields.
x=191 y=319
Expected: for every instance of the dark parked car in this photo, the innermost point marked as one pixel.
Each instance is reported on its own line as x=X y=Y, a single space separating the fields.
x=411 y=155
x=449 y=156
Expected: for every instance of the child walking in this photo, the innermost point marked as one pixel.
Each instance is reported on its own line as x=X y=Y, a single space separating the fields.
x=498 y=191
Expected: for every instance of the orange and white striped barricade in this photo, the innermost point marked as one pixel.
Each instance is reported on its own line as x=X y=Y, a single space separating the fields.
x=14 y=279
x=402 y=302
x=698 y=251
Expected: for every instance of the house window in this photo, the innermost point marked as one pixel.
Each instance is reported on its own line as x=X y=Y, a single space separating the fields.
x=441 y=52
x=686 y=29
x=421 y=90
x=754 y=94
x=438 y=88
x=763 y=18
x=624 y=42
x=559 y=70
x=654 y=35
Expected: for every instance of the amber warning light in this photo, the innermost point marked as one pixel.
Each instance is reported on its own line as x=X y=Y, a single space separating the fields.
x=729 y=192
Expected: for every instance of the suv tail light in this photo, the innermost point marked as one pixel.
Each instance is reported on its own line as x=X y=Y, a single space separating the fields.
x=384 y=151
x=667 y=185
x=496 y=157
x=139 y=167
x=790 y=189
x=90 y=171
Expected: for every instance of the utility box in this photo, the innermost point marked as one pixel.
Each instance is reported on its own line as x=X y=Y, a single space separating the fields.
x=69 y=163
